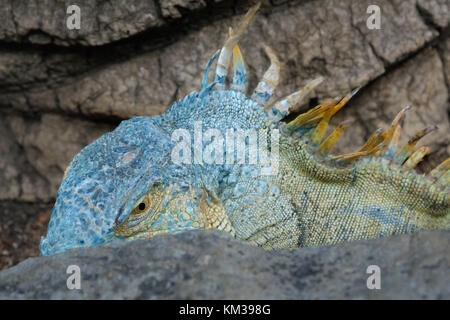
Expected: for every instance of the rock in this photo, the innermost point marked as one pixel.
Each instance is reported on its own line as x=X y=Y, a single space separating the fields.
x=36 y=151
x=172 y=8
x=419 y=82
x=435 y=12
x=311 y=39
x=401 y=23
x=23 y=70
x=101 y=22
x=444 y=50
x=211 y=265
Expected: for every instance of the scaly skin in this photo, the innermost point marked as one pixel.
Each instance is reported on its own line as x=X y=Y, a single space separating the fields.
x=127 y=185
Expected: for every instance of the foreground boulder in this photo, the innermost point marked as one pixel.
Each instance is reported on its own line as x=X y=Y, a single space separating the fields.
x=211 y=265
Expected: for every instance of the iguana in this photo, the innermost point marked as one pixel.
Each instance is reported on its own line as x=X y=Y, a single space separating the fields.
x=155 y=175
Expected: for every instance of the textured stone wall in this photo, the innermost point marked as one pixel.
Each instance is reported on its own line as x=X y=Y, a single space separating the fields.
x=61 y=89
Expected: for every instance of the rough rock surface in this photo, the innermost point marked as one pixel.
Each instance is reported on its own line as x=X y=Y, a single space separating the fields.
x=37 y=151
x=211 y=265
x=419 y=82
x=310 y=39
x=60 y=89
x=44 y=22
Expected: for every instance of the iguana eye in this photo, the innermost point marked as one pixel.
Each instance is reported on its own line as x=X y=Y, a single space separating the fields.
x=142 y=206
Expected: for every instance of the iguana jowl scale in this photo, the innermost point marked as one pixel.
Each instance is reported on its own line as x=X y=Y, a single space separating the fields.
x=126 y=186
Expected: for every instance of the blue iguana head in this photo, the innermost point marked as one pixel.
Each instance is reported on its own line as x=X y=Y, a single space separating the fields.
x=106 y=180
x=127 y=185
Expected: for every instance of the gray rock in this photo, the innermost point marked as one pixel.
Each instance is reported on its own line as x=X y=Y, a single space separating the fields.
x=311 y=38
x=44 y=22
x=211 y=265
x=419 y=82
x=401 y=22
x=172 y=8
x=444 y=51
x=435 y=12
x=36 y=151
